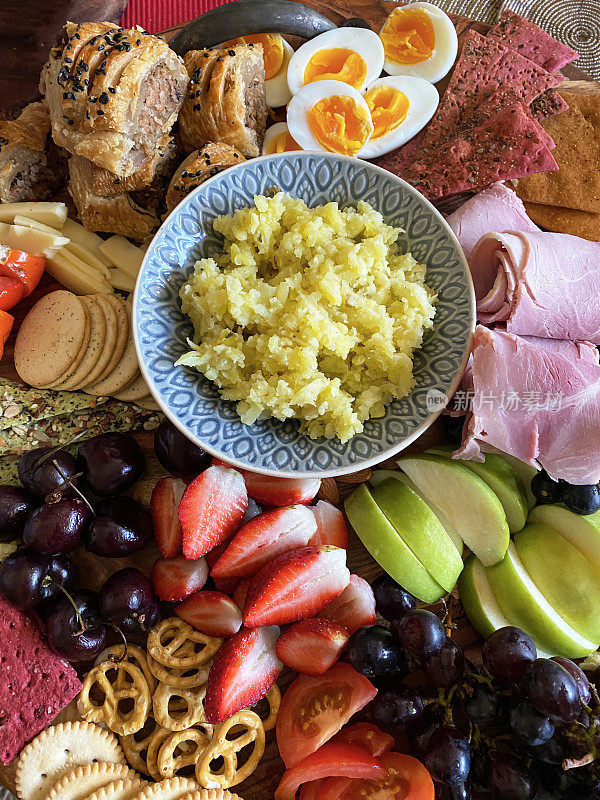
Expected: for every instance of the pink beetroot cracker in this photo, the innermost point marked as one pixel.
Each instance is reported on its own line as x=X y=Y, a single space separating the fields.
x=501 y=141
x=35 y=684
x=400 y=160
x=532 y=42
x=547 y=105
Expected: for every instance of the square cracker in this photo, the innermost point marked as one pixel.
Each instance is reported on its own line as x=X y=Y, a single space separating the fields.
x=576 y=132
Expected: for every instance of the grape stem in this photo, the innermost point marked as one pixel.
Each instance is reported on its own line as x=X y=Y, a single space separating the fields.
x=49 y=582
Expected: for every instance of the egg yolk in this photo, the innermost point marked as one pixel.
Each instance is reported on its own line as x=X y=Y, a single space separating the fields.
x=284 y=142
x=408 y=36
x=339 y=124
x=273 y=53
x=336 y=64
x=388 y=107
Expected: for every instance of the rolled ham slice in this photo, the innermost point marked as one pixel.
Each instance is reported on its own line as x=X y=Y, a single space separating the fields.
x=536 y=399
x=496 y=208
x=540 y=284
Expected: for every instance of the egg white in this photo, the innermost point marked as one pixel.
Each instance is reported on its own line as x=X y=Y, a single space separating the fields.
x=365 y=42
x=270 y=133
x=305 y=99
x=423 y=99
x=444 y=54
x=278 y=93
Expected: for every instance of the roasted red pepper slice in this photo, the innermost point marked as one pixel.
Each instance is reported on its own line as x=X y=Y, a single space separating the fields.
x=6 y=323
x=23 y=266
x=11 y=291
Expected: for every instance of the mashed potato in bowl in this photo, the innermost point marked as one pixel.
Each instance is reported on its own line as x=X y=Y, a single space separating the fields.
x=308 y=313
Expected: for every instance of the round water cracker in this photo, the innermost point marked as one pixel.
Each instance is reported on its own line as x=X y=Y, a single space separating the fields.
x=57 y=750
x=110 y=340
x=82 y=350
x=81 y=781
x=170 y=789
x=124 y=789
x=50 y=338
x=137 y=389
x=94 y=348
x=124 y=372
x=148 y=402
x=120 y=310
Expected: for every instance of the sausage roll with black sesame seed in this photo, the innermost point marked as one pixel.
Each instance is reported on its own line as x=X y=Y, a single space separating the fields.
x=225 y=100
x=25 y=170
x=198 y=167
x=113 y=94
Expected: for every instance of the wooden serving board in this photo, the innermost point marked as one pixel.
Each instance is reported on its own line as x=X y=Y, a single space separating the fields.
x=261 y=785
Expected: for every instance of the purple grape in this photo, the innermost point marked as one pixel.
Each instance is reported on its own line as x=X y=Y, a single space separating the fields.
x=420 y=731
x=551 y=690
x=482 y=707
x=420 y=632
x=15 y=505
x=177 y=454
x=65 y=635
x=112 y=463
x=374 y=652
x=529 y=726
x=506 y=654
x=57 y=526
x=127 y=600
x=448 y=756
x=394 y=709
x=578 y=676
x=392 y=600
x=510 y=778
x=122 y=526
x=445 y=668
x=46 y=471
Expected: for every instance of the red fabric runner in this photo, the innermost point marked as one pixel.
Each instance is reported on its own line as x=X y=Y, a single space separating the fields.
x=158 y=15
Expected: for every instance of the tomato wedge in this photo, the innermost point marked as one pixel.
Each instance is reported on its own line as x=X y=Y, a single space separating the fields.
x=315 y=708
x=310 y=790
x=11 y=291
x=6 y=323
x=407 y=779
x=333 y=759
x=23 y=266
x=367 y=736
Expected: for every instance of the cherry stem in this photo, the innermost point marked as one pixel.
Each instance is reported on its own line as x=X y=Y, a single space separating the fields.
x=69 y=480
x=49 y=582
x=55 y=450
x=112 y=657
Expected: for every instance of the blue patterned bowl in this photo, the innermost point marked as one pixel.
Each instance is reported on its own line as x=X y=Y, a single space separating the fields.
x=279 y=448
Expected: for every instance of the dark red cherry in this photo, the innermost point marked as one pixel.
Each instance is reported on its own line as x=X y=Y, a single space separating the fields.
x=15 y=504
x=66 y=636
x=112 y=462
x=57 y=526
x=127 y=600
x=121 y=526
x=46 y=470
x=177 y=454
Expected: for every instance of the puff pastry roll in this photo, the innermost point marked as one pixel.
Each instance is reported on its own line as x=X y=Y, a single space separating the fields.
x=225 y=100
x=198 y=167
x=113 y=94
x=25 y=173
x=107 y=184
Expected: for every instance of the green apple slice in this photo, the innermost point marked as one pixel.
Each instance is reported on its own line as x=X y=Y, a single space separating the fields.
x=583 y=532
x=479 y=603
x=380 y=475
x=525 y=473
x=421 y=531
x=526 y=607
x=568 y=581
x=387 y=548
x=502 y=479
x=471 y=506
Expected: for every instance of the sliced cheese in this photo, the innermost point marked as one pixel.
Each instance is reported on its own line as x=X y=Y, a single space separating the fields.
x=36 y=242
x=86 y=255
x=121 y=280
x=29 y=222
x=123 y=254
x=80 y=235
x=64 y=267
x=53 y=214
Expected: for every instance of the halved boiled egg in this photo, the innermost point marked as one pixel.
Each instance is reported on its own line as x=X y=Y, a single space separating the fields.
x=400 y=106
x=419 y=39
x=351 y=55
x=276 y=54
x=278 y=139
x=331 y=116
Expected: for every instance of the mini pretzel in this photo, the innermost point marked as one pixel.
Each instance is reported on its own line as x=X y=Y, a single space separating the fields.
x=178 y=709
x=154 y=745
x=133 y=654
x=183 y=749
x=221 y=747
x=179 y=678
x=135 y=746
x=115 y=692
x=273 y=700
x=169 y=644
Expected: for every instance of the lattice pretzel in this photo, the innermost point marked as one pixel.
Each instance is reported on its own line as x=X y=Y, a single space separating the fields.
x=130 y=686
x=135 y=746
x=133 y=654
x=154 y=745
x=178 y=709
x=183 y=749
x=273 y=700
x=179 y=678
x=221 y=747
x=173 y=643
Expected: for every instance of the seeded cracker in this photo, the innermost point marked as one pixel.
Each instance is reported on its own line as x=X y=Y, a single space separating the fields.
x=532 y=41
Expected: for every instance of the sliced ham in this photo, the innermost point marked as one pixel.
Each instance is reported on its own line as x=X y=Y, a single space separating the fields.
x=536 y=399
x=496 y=208
x=539 y=284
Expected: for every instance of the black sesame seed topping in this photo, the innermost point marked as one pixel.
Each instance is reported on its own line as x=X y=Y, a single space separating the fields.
x=104 y=98
x=231 y=52
x=112 y=89
x=99 y=112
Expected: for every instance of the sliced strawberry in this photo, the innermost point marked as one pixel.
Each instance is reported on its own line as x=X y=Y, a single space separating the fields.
x=331 y=526
x=215 y=554
x=211 y=510
x=354 y=607
x=311 y=646
x=164 y=505
x=177 y=578
x=241 y=591
x=263 y=538
x=277 y=491
x=226 y=585
x=295 y=586
x=212 y=613
x=244 y=670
